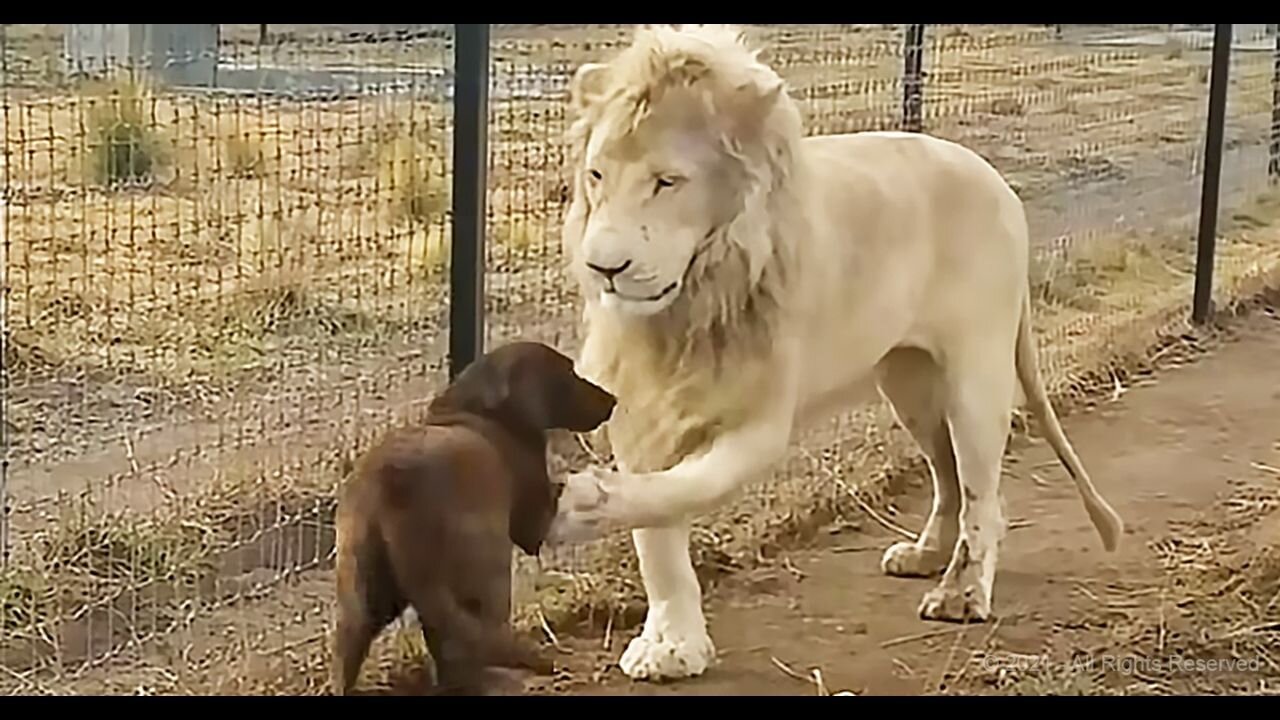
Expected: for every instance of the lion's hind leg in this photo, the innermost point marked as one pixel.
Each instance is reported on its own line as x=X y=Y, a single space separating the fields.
x=911 y=381
x=979 y=386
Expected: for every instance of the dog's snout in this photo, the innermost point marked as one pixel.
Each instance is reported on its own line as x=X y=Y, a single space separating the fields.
x=591 y=405
x=609 y=272
x=606 y=402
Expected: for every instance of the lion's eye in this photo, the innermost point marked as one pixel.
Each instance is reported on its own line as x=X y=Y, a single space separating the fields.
x=595 y=175
x=665 y=182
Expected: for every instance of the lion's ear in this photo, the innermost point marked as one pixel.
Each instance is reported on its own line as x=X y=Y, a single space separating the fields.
x=760 y=93
x=752 y=102
x=587 y=85
x=686 y=70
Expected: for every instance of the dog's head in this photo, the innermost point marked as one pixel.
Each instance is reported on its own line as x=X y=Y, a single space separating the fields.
x=530 y=388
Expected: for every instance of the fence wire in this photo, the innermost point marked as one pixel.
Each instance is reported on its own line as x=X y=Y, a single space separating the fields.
x=215 y=293
x=225 y=273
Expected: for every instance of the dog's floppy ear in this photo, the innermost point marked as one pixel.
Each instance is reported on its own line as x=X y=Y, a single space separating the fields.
x=533 y=508
x=481 y=387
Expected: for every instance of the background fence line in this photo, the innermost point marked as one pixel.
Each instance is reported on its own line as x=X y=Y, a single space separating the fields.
x=1274 y=165
x=224 y=273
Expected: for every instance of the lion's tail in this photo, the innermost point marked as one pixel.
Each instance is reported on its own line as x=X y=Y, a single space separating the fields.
x=1104 y=517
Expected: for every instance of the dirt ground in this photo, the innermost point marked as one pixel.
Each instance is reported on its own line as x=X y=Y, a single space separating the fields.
x=1178 y=456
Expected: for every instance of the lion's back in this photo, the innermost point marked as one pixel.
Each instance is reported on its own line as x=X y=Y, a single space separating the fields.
x=898 y=161
x=896 y=218
x=896 y=186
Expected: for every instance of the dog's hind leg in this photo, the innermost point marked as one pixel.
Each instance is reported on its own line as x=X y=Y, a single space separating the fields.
x=351 y=639
x=464 y=615
x=463 y=645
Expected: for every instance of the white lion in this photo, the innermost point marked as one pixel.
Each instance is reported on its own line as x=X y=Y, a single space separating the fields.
x=742 y=281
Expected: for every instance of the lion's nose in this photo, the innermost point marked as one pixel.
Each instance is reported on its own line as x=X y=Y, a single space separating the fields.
x=609 y=272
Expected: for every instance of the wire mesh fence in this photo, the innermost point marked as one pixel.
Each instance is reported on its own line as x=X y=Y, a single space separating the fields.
x=213 y=294
x=226 y=271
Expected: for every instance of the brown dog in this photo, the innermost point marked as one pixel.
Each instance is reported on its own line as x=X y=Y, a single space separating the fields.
x=430 y=514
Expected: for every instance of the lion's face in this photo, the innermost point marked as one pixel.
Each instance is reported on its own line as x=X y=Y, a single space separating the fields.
x=653 y=199
x=675 y=137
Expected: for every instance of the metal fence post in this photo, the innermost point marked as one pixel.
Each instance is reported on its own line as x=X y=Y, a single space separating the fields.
x=913 y=79
x=1201 y=303
x=4 y=301
x=470 y=162
x=1273 y=167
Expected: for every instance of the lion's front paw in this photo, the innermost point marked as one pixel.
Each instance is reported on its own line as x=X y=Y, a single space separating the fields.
x=583 y=509
x=667 y=657
x=955 y=604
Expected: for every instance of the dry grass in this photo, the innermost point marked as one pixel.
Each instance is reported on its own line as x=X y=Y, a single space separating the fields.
x=27 y=600
x=250 y=200
x=245 y=156
x=110 y=549
x=1210 y=626
x=138 y=577
x=352 y=194
x=1088 y=271
x=418 y=194
x=1220 y=599
x=123 y=146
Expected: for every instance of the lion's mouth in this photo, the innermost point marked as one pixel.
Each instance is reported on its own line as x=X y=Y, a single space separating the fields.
x=665 y=292
x=610 y=289
x=651 y=298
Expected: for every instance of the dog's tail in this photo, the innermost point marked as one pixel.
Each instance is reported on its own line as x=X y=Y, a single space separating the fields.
x=361 y=571
x=1107 y=521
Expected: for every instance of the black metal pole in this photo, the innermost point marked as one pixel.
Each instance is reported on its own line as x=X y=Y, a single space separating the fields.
x=470 y=162
x=4 y=305
x=913 y=78
x=1273 y=166
x=1201 y=303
